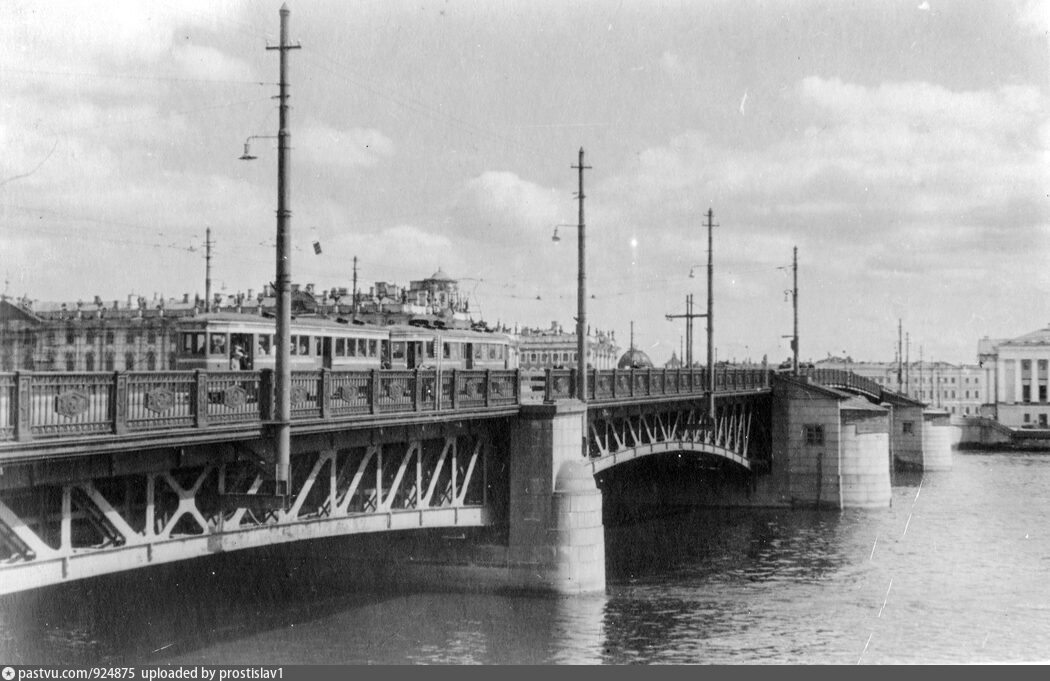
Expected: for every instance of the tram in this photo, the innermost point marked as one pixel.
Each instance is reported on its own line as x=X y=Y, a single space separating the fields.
x=229 y=341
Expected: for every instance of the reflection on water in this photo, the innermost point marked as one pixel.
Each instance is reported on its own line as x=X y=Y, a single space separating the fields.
x=954 y=571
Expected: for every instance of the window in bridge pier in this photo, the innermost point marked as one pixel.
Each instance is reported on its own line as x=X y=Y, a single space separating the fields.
x=908 y=427
x=814 y=434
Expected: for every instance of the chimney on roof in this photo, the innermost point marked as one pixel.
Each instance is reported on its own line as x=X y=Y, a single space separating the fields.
x=98 y=301
x=251 y=294
x=185 y=297
x=310 y=289
x=116 y=304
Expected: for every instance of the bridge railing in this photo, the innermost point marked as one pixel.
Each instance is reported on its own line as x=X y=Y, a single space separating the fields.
x=845 y=379
x=619 y=384
x=53 y=405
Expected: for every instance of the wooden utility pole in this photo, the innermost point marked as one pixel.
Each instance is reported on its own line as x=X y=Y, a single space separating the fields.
x=907 y=364
x=283 y=279
x=900 y=358
x=710 y=318
x=794 y=304
x=354 y=304
x=207 y=269
x=581 y=295
x=689 y=316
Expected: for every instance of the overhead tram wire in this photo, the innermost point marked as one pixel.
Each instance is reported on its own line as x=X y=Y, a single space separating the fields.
x=129 y=121
x=130 y=76
x=92 y=236
x=414 y=105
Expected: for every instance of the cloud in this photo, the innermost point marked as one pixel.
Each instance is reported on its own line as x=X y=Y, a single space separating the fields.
x=500 y=207
x=1035 y=16
x=355 y=147
x=671 y=64
x=111 y=32
x=208 y=63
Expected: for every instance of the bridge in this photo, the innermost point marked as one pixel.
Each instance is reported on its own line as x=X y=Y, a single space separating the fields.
x=103 y=472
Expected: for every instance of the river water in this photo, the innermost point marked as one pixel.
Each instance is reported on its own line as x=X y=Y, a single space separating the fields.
x=956 y=570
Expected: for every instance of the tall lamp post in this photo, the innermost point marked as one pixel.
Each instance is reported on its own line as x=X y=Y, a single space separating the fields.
x=281 y=418
x=581 y=296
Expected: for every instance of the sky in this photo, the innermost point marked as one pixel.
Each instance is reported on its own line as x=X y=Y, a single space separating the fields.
x=902 y=147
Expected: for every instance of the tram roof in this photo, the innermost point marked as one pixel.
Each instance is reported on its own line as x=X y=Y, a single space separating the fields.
x=312 y=322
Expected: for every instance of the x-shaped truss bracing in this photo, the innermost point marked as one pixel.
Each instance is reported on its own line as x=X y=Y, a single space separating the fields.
x=56 y=533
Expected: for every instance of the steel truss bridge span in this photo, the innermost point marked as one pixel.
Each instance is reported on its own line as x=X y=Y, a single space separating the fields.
x=201 y=504
x=739 y=432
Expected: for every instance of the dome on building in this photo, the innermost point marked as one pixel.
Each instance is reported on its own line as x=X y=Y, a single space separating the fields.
x=440 y=276
x=634 y=359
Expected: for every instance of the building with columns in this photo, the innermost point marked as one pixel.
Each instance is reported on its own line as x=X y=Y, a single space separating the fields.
x=552 y=348
x=1019 y=369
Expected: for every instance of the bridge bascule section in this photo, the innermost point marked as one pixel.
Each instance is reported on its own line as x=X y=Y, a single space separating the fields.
x=643 y=413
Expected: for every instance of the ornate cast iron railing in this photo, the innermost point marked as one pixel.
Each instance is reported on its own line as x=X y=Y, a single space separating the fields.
x=66 y=406
x=612 y=385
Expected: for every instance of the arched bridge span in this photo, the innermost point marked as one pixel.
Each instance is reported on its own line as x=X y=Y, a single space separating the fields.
x=739 y=432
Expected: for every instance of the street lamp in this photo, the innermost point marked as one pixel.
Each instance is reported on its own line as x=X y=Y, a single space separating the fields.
x=247 y=155
x=555 y=238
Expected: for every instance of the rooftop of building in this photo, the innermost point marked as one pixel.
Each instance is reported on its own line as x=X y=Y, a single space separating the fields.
x=1038 y=337
x=634 y=359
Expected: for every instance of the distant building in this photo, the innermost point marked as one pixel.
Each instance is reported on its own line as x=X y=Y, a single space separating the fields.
x=434 y=301
x=540 y=349
x=634 y=359
x=1019 y=371
x=956 y=388
x=674 y=362
x=142 y=334
x=90 y=337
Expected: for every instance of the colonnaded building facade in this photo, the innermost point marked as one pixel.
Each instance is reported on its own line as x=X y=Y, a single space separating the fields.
x=1018 y=373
